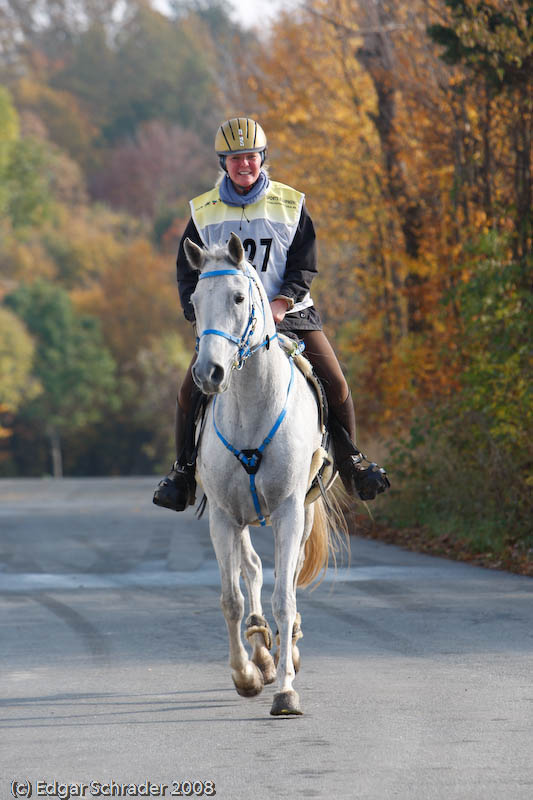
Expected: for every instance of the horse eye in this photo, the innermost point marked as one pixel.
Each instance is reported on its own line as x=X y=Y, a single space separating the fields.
x=239 y=298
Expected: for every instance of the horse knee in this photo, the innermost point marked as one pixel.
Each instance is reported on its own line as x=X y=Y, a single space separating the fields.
x=232 y=607
x=283 y=608
x=253 y=561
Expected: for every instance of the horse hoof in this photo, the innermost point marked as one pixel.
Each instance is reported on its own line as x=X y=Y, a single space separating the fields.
x=249 y=684
x=286 y=703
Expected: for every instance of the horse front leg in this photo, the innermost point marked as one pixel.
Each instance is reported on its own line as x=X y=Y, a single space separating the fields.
x=297 y=627
x=227 y=542
x=258 y=630
x=288 y=524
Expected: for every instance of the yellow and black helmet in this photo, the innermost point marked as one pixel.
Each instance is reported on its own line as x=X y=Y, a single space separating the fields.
x=240 y=135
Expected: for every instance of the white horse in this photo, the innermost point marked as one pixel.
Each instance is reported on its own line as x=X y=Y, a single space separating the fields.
x=265 y=417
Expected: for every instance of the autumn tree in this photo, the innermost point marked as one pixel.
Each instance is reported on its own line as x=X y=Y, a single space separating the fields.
x=17 y=351
x=493 y=40
x=152 y=69
x=333 y=127
x=51 y=26
x=72 y=365
x=414 y=168
x=24 y=182
x=147 y=174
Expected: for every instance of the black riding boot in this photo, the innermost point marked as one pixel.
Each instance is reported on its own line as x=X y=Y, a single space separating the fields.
x=177 y=490
x=366 y=482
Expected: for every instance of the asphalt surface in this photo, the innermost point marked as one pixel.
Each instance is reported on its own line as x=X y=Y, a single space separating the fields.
x=416 y=681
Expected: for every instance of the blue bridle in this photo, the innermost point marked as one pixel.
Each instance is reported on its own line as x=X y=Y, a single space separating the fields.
x=248 y=459
x=244 y=350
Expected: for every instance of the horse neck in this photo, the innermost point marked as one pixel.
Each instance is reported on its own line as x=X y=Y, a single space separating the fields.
x=262 y=382
x=262 y=372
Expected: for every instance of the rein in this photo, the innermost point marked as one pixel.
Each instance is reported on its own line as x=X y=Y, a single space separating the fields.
x=250 y=460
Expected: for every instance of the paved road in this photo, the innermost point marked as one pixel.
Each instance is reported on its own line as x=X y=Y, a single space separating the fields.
x=416 y=678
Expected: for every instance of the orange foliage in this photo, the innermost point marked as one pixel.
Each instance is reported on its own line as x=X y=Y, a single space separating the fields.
x=400 y=157
x=135 y=300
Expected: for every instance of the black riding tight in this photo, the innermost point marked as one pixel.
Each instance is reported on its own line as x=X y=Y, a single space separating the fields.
x=326 y=365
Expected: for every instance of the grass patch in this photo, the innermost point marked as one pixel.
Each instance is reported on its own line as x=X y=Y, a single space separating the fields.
x=483 y=539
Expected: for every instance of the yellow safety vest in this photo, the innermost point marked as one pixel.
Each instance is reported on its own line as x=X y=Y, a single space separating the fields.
x=266 y=229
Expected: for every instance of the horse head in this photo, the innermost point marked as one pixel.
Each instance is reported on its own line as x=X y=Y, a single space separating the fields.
x=228 y=307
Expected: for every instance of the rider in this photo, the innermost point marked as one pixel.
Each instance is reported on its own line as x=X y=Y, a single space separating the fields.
x=279 y=240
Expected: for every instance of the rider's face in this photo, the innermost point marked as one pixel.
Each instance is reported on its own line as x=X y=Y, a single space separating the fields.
x=243 y=170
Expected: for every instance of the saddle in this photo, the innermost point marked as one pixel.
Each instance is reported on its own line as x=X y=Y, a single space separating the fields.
x=322 y=472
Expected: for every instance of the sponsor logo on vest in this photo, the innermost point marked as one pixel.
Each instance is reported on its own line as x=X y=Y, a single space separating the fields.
x=280 y=201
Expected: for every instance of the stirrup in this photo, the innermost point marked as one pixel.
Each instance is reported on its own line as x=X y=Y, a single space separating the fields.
x=367 y=482
x=176 y=490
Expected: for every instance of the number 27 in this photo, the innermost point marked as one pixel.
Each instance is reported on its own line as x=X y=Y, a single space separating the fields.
x=251 y=249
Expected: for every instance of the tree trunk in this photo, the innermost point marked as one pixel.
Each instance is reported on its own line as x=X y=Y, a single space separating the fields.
x=376 y=55
x=55 y=452
x=523 y=176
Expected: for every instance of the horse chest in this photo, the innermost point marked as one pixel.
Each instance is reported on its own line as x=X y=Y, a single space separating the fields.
x=281 y=472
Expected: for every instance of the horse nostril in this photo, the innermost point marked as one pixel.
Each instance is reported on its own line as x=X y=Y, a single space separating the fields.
x=217 y=374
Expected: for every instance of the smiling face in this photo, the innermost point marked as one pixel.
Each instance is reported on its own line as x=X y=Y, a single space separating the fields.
x=243 y=170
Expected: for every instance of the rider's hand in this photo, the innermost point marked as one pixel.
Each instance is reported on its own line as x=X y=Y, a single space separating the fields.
x=279 y=308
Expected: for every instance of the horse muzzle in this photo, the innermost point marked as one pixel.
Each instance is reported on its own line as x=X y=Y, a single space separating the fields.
x=211 y=378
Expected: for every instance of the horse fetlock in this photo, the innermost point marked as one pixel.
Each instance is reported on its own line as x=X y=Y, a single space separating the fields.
x=248 y=681
x=295 y=654
x=296 y=636
x=295 y=658
x=259 y=634
x=262 y=658
x=297 y=628
x=258 y=624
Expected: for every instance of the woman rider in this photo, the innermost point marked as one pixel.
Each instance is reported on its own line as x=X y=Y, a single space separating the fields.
x=279 y=240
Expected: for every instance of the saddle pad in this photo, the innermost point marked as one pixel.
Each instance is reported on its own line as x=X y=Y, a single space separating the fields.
x=291 y=347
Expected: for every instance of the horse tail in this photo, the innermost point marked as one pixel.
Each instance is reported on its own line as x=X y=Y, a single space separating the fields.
x=329 y=536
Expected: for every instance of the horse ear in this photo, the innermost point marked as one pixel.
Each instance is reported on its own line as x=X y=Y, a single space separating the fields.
x=195 y=255
x=235 y=249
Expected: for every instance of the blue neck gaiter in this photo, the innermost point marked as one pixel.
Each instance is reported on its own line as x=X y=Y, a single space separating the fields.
x=229 y=195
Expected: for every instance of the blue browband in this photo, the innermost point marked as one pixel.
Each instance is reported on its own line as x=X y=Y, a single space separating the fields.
x=216 y=272
x=249 y=459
